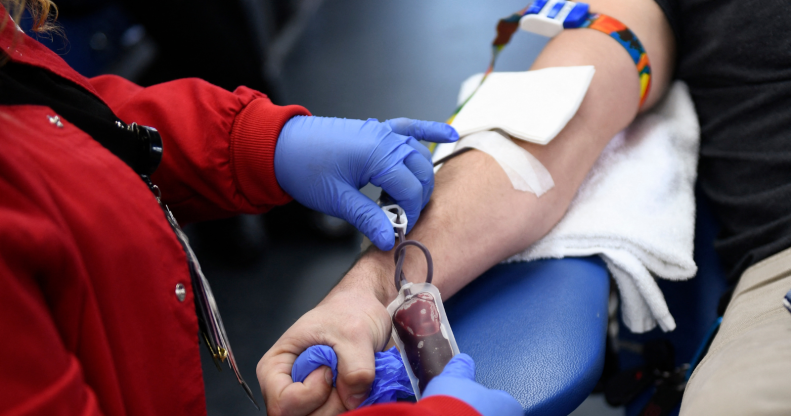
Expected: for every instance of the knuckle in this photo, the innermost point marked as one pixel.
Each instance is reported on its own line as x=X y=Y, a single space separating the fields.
x=426 y=178
x=357 y=327
x=415 y=199
x=260 y=368
x=361 y=331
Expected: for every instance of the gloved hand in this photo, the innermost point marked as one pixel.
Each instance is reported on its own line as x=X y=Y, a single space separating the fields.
x=390 y=383
x=323 y=162
x=458 y=380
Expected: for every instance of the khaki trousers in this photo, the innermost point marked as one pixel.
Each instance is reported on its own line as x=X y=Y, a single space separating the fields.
x=747 y=370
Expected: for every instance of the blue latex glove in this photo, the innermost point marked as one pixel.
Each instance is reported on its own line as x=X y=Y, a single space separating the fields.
x=313 y=358
x=323 y=162
x=390 y=383
x=458 y=380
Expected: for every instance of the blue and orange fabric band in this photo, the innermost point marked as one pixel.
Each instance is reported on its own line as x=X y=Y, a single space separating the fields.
x=626 y=38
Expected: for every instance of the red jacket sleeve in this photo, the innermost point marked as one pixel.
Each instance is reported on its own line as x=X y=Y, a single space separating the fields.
x=430 y=406
x=219 y=146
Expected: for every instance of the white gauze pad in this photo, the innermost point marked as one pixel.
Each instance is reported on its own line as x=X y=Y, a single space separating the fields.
x=523 y=169
x=533 y=106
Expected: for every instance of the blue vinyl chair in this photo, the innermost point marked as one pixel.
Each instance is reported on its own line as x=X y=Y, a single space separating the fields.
x=538 y=330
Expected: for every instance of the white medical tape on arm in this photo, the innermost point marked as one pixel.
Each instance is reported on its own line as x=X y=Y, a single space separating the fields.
x=523 y=169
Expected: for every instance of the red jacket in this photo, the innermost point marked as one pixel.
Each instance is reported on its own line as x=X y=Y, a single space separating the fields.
x=89 y=265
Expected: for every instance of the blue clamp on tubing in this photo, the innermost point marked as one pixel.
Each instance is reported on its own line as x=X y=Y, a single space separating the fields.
x=549 y=17
x=576 y=16
x=536 y=7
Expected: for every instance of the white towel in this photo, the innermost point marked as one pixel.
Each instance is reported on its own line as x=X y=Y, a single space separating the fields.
x=636 y=209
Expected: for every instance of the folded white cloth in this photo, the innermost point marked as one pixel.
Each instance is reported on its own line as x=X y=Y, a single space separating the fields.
x=636 y=209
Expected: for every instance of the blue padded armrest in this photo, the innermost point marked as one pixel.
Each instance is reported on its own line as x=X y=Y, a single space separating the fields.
x=536 y=330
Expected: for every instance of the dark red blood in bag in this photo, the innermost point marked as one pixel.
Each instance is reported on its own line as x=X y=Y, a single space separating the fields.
x=418 y=324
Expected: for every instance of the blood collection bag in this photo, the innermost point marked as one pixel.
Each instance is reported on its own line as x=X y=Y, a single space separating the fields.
x=420 y=327
x=422 y=333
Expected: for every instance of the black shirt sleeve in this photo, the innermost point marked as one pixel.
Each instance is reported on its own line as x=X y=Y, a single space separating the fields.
x=734 y=56
x=671 y=10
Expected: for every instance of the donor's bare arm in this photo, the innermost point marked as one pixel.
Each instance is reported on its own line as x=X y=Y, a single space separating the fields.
x=475 y=218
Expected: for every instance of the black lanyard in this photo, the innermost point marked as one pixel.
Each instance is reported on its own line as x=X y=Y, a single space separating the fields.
x=137 y=146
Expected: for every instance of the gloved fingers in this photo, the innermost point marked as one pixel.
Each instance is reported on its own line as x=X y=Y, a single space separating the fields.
x=366 y=216
x=458 y=380
x=419 y=147
x=424 y=172
x=313 y=358
x=431 y=131
x=460 y=366
x=401 y=184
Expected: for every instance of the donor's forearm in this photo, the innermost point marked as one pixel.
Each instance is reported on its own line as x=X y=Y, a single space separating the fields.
x=476 y=218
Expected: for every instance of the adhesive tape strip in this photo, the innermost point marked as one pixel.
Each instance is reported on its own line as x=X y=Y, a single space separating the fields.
x=523 y=169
